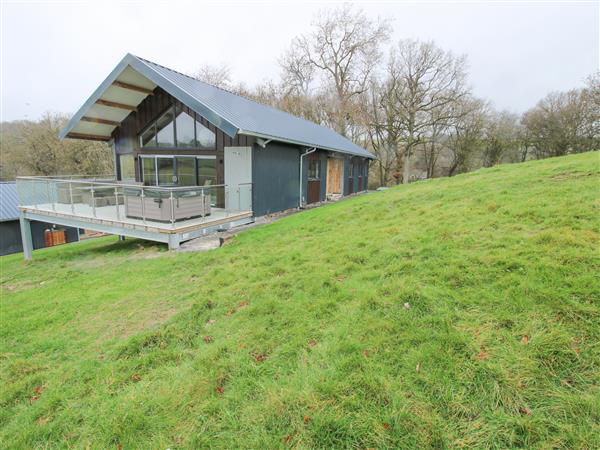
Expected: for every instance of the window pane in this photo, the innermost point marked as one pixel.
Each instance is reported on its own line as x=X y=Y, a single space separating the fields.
x=149 y=172
x=186 y=170
x=148 y=138
x=205 y=137
x=185 y=130
x=313 y=169
x=165 y=171
x=165 y=136
x=207 y=171
x=127 y=167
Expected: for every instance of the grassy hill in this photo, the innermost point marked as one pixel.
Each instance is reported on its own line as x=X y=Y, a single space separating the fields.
x=460 y=312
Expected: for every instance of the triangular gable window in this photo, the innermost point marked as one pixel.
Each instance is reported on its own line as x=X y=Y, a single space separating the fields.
x=183 y=132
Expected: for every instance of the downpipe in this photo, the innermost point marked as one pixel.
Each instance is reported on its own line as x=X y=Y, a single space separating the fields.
x=300 y=199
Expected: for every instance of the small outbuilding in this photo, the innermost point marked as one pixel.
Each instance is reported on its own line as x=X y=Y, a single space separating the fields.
x=42 y=233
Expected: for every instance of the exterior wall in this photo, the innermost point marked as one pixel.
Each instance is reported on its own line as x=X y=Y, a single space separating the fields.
x=323 y=175
x=275 y=178
x=346 y=173
x=355 y=177
x=126 y=140
x=361 y=167
x=275 y=169
x=10 y=236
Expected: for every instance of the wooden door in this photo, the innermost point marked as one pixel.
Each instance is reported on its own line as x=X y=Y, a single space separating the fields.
x=314 y=178
x=314 y=191
x=334 y=176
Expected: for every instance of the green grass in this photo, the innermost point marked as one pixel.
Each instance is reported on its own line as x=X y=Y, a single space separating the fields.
x=104 y=342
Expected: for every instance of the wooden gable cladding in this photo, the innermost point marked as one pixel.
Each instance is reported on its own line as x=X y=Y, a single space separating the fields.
x=126 y=136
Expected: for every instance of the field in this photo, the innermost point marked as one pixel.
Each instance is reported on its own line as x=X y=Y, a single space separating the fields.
x=461 y=312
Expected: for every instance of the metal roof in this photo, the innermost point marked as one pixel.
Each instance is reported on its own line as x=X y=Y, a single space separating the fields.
x=8 y=202
x=230 y=112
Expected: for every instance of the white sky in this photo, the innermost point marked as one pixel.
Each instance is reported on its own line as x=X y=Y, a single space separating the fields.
x=55 y=53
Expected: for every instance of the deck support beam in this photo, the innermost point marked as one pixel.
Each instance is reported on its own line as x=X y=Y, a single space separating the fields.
x=26 y=238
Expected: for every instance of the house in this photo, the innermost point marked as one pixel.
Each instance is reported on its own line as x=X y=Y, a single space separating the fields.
x=10 y=233
x=191 y=158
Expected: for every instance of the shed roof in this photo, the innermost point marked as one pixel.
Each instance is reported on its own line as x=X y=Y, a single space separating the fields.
x=232 y=113
x=8 y=202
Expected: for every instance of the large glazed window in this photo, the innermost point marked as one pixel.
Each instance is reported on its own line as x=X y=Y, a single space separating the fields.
x=204 y=137
x=186 y=171
x=179 y=170
x=184 y=124
x=165 y=132
x=149 y=171
x=177 y=129
x=166 y=173
x=207 y=170
x=148 y=137
x=127 y=167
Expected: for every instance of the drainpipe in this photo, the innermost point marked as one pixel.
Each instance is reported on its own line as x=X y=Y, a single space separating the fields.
x=308 y=152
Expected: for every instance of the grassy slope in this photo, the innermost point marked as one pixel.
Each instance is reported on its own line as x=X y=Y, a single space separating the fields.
x=103 y=342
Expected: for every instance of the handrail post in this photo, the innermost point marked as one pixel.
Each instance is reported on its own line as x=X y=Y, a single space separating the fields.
x=143 y=198
x=203 y=202
x=51 y=200
x=35 y=202
x=93 y=200
x=117 y=202
x=71 y=197
x=172 y=209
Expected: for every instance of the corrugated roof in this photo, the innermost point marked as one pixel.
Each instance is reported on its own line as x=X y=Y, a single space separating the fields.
x=8 y=202
x=232 y=113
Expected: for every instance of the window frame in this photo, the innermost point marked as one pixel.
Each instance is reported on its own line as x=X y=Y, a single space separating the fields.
x=317 y=163
x=156 y=157
x=174 y=109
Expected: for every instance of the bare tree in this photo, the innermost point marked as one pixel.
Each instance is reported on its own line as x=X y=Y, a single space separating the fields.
x=217 y=75
x=377 y=117
x=466 y=133
x=501 y=137
x=343 y=50
x=564 y=122
x=424 y=79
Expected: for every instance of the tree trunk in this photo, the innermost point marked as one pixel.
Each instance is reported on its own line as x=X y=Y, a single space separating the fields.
x=452 y=168
x=406 y=175
x=382 y=174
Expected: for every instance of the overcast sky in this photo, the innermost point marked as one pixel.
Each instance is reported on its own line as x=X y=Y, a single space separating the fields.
x=54 y=54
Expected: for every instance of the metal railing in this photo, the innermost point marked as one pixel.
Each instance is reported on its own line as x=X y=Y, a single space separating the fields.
x=108 y=199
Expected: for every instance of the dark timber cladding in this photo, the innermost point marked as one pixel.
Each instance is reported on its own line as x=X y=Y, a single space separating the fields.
x=275 y=176
x=127 y=141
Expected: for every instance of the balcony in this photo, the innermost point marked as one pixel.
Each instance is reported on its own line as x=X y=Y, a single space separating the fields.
x=164 y=214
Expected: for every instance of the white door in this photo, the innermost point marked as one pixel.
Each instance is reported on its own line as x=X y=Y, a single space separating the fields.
x=238 y=178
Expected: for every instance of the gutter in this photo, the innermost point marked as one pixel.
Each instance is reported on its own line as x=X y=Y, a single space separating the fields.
x=363 y=154
x=308 y=152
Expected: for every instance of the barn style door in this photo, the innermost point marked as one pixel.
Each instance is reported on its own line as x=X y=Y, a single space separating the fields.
x=334 y=175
